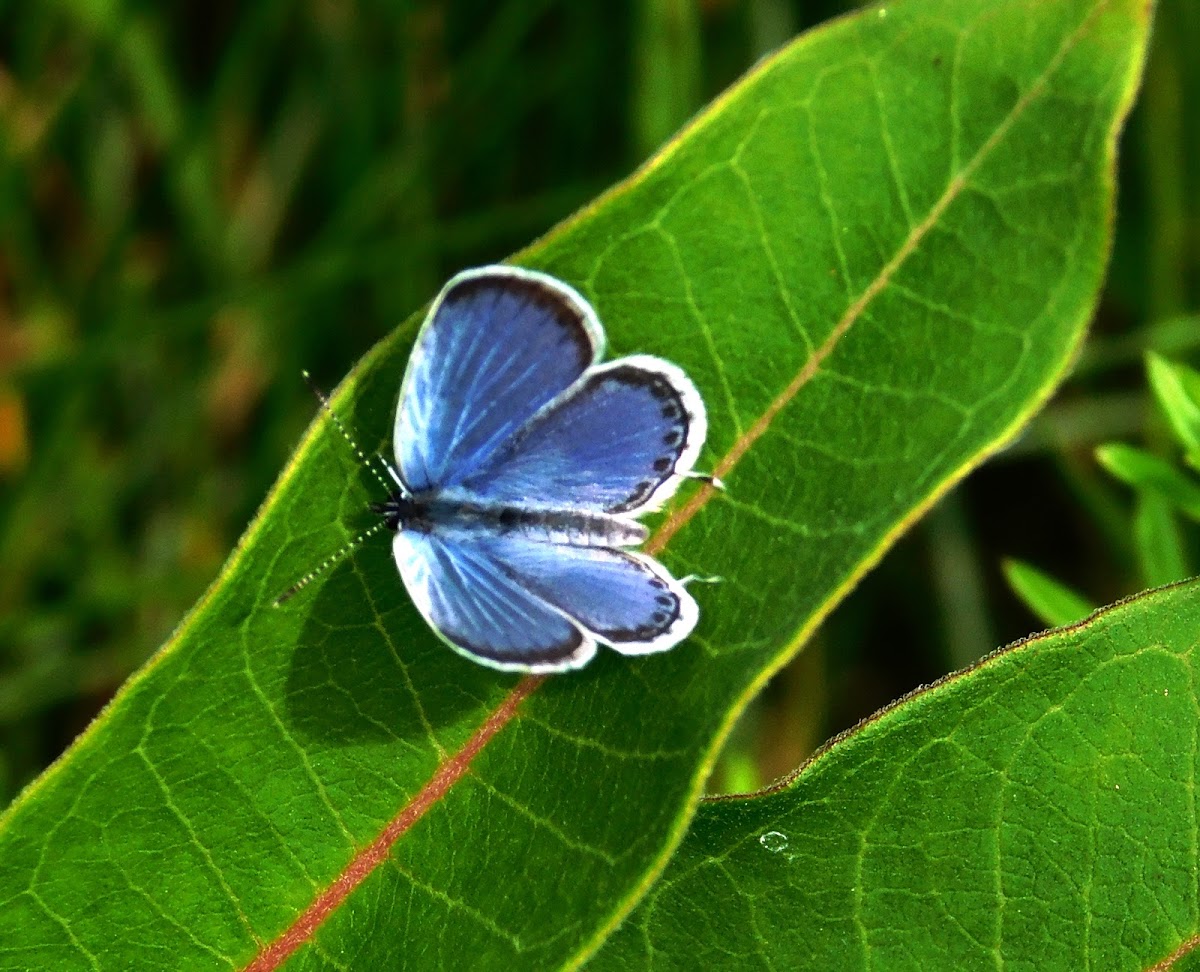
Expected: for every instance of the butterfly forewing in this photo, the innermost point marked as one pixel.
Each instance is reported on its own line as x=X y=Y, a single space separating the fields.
x=616 y=441
x=498 y=345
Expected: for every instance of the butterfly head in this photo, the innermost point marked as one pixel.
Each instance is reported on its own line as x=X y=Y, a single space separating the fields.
x=397 y=510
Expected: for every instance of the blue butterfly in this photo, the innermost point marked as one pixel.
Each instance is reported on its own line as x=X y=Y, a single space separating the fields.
x=521 y=466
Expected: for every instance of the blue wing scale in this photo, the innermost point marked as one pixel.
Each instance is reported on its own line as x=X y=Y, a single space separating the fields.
x=516 y=603
x=481 y=611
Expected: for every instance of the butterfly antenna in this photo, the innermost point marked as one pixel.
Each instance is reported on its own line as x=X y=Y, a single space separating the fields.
x=699 y=579
x=392 y=473
x=336 y=557
x=362 y=456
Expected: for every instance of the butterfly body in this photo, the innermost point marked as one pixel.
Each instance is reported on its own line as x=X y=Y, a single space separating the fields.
x=522 y=464
x=427 y=514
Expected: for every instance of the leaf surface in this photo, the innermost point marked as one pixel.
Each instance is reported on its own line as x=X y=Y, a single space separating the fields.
x=1035 y=812
x=875 y=256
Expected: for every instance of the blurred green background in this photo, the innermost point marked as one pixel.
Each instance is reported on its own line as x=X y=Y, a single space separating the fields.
x=198 y=201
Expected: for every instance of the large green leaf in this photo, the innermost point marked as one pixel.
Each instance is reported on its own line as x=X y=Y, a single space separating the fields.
x=875 y=256
x=1036 y=812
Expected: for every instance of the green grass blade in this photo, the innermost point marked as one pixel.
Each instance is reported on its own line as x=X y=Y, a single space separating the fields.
x=1051 y=600
x=1144 y=470
x=1177 y=388
x=1162 y=553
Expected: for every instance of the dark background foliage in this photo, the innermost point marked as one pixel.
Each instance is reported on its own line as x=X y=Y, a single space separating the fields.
x=197 y=201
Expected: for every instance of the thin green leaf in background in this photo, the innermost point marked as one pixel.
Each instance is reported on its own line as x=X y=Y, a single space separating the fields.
x=1162 y=553
x=1051 y=600
x=1144 y=470
x=667 y=79
x=1177 y=388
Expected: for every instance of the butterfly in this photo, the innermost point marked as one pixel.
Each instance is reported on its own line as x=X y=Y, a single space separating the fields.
x=521 y=467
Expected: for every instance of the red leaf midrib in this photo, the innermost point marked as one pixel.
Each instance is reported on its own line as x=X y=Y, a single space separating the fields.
x=272 y=955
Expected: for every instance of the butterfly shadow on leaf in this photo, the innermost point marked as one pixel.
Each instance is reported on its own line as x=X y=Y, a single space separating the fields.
x=366 y=667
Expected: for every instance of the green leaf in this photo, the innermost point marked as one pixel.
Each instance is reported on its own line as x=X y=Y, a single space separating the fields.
x=1159 y=544
x=1177 y=388
x=1144 y=470
x=876 y=256
x=1051 y=600
x=1038 y=811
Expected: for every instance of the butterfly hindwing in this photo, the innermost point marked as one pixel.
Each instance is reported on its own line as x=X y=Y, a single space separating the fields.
x=468 y=598
x=615 y=442
x=498 y=345
x=514 y=602
x=623 y=599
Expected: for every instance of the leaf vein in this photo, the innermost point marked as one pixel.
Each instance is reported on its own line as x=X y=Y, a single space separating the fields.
x=545 y=823
x=189 y=827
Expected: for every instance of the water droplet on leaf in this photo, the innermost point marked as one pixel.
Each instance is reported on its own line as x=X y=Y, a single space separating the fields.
x=774 y=841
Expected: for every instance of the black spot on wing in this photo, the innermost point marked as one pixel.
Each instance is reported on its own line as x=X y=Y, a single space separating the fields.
x=665 y=614
x=674 y=439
